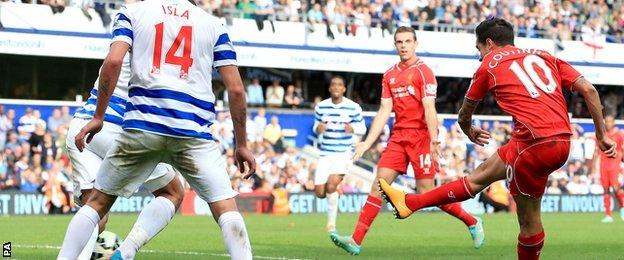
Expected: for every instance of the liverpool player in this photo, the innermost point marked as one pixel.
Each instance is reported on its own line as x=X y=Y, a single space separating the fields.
x=527 y=84
x=409 y=89
x=610 y=169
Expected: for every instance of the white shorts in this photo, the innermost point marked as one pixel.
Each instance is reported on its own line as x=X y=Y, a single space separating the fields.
x=86 y=164
x=329 y=165
x=136 y=153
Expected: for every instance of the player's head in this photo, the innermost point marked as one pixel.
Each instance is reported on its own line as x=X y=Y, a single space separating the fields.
x=609 y=122
x=337 y=87
x=405 y=42
x=493 y=32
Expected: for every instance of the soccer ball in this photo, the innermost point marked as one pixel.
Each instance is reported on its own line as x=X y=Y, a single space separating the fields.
x=105 y=245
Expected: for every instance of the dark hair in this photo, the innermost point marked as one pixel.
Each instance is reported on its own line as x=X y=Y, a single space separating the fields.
x=404 y=29
x=497 y=29
x=344 y=82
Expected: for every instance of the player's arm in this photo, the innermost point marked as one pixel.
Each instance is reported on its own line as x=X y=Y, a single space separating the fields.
x=380 y=120
x=109 y=74
x=477 y=90
x=431 y=118
x=464 y=119
x=357 y=122
x=319 y=126
x=238 y=111
x=236 y=101
x=592 y=99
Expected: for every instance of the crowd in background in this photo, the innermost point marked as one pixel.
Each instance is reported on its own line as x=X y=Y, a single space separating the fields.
x=34 y=157
x=561 y=20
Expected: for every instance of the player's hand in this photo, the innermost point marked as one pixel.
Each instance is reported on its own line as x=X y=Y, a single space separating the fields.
x=321 y=128
x=434 y=150
x=89 y=130
x=360 y=149
x=245 y=162
x=608 y=146
x=479 y=136
x=348 y=128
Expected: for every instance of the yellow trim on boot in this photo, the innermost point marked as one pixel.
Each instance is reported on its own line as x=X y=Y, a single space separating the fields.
x=396 y=199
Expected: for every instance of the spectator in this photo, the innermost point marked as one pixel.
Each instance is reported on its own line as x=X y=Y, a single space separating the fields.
x=57 y=6
x=36 y=138
x=264 y=8
x=577 y=186
x=292 y=98
x=55 y=120
x=247 y=8
x=273 y=131
x=5 y=126
x=37 y=115
x=275 y=94
x=260 y=122
x=54 y=189
x=27 y=124
x=315 y=15
x=65 y=115
x=48 y=147
x=31 y=181
x=254 y=92
x=553 y=187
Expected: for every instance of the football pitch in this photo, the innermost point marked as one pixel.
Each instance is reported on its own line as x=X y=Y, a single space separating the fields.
x=423 y=236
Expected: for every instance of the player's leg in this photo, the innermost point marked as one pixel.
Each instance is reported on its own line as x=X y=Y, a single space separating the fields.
x=605 y=180
x=369 y=212
x=393 y=161
x=85 y=166
x=168 y=194
x=101 y=226
x=529 y=175
x=619 y=193
x=86 y=218
x=321 y=175
x=453 y=209
x=127 y=165
x=332 y=200
x=425 y=170
x=202 y=165
x=531 y=237
x=493 y=169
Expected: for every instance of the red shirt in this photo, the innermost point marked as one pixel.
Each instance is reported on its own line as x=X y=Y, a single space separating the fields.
x=527 y=84
x=407 y=85
x=607 y=163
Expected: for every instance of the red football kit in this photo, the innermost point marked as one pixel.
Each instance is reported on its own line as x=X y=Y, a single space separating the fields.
x=408 y=85
x=610 y=167
x=527 y=84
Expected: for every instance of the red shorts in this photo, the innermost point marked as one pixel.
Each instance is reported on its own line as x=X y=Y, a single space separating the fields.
x=609 y=177
x=409 y=146
x=529 y=163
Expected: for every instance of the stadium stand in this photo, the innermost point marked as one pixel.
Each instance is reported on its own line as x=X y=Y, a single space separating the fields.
x=326 y=24
x=561 y=20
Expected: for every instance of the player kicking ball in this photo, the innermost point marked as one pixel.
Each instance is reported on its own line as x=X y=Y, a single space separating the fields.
x=528 y=85
x=610 y=169
x=409 y=89
x=337 y=120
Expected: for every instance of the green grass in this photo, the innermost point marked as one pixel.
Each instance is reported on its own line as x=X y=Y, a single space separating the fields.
x=423 y=236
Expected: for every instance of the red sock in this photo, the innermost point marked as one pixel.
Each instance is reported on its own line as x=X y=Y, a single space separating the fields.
x=368 y=214
x=455 y=191
x=606 y=198
x=456 y=210
x=620 y=197
x=529 y=248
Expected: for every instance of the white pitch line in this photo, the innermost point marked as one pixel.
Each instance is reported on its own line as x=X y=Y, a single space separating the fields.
x=168 y=252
